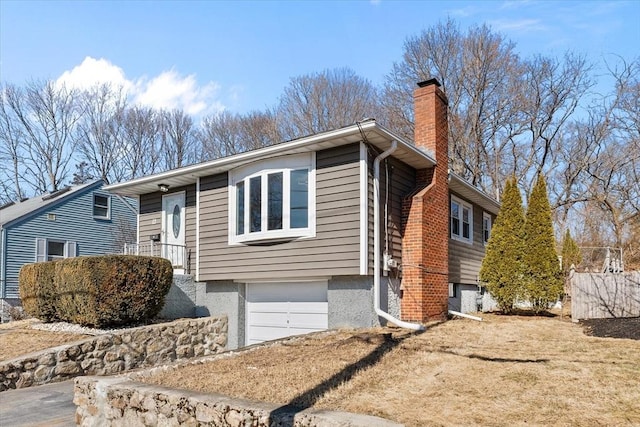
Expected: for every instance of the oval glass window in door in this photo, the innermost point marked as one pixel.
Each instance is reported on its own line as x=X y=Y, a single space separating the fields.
x=176 y=221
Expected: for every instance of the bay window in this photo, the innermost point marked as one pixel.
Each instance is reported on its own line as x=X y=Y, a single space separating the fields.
x=273 y=200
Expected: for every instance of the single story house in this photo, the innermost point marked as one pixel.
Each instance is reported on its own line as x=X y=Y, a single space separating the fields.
x=77 y=220
x=352 y=227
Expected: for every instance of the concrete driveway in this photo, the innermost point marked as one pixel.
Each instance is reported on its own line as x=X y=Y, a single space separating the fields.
x=45 y=405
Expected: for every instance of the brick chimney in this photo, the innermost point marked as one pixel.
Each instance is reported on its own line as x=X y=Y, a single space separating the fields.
x=425 y=245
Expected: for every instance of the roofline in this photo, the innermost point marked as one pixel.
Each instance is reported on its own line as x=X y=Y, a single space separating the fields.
x=53 y=203
x=491 y=202
x=229 y=161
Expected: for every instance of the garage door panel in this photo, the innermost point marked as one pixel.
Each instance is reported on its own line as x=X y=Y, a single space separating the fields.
x=263 y=333
x=278 y=310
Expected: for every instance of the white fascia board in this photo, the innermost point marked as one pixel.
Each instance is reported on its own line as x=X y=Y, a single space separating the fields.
x=480 y=197
x=227 y=163
x=188 y=174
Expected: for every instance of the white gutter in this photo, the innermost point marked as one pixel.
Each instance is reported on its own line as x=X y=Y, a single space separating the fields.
x=376 y=244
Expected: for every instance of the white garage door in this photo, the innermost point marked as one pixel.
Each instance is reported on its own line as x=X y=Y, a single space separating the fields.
x=277 y=310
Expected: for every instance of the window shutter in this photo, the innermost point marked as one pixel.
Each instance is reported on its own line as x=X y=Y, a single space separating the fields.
x=70 y=249
x=41 y=250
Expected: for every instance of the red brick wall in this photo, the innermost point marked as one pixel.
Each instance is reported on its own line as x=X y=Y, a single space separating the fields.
x=425 y=246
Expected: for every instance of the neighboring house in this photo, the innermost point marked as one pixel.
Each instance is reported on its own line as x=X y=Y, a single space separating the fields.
x=299 y=236
x=78 y=220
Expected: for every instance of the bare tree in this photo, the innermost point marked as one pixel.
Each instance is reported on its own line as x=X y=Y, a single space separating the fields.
x=552 y=91
x=178 y=145
x=45 y=116
x=140 y=139
x=99 y=141
x=226 y=133
x=600 y=158
x=11 y=151
x=481 y=74
x=323 y=101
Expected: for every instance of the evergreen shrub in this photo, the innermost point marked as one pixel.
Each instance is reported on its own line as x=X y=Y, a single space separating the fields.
x=36 y=286
x=112 y=290
x=96 y=291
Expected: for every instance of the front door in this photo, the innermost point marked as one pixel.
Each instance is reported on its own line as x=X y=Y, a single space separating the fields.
x=173 y=229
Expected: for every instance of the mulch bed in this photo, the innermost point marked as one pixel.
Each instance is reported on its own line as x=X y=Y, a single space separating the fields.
x=628 y=327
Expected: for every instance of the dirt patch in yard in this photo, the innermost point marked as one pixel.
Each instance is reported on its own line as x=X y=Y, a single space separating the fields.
x=19 y=338
x=507 y=370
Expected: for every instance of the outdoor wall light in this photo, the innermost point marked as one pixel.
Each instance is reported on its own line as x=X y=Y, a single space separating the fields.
x=163 y=187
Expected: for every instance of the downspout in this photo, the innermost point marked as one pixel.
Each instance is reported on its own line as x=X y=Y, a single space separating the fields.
x=376 y=244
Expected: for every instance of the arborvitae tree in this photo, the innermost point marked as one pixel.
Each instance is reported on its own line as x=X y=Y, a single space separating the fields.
x=570 y=253
x=502 y=267
x=543 y=277
x=571 y=256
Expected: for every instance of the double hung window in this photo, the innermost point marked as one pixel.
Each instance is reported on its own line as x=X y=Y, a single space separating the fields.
x=52 y=249
x=461 y=220
x=101 y=205
x=273 y=200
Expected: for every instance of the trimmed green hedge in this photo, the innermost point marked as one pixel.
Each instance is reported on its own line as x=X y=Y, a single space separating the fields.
x=98 y=291
x=37 y=290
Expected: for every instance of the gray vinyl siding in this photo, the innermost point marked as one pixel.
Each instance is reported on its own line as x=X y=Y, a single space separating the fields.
x=403 y=180
x=150 y=219
x=74 y=222
x=465 y=259
x=335 y=250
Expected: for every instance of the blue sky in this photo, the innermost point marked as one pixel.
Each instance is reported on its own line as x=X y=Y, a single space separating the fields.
x=212 y=55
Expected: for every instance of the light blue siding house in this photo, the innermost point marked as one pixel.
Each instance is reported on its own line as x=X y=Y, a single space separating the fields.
x=74 y=221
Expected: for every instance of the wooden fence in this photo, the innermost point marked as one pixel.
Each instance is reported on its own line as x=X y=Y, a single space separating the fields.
x=601 y=295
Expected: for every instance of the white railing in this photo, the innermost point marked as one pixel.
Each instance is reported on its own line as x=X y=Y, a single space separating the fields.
x=177 y=254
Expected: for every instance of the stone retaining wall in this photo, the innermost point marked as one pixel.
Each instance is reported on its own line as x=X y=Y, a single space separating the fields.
x=119 y=401
x=121 y=351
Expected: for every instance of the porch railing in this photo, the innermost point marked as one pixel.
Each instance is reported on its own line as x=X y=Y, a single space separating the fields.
x=177 y=254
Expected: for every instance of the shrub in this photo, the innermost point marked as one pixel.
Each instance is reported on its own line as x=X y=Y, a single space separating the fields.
x=542 y=268
x=37 y=290
x=112 y=290
x=502 y=266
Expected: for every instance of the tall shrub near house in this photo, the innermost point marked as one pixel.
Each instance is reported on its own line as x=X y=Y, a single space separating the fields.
x=570 y=253
x=543 y=276
x=502 y=266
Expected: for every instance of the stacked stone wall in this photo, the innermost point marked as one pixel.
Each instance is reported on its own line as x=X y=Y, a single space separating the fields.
x=118 y=401
x=121 y=351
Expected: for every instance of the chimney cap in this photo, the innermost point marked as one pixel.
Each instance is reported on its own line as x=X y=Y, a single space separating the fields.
x=429 y=82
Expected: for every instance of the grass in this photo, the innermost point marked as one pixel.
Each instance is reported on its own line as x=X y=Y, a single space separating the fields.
x=504 y=371
x=18 y=338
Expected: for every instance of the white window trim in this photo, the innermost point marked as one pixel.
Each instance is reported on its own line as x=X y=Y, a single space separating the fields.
x=93 y=206
x=263 y=169
x=463 y=205
x=70 y=249
x=485 y=216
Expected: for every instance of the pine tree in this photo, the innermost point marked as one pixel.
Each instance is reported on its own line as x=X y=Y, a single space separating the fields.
x=502 y=267
x=570 y=253
x=571 y=256
x=543 y=277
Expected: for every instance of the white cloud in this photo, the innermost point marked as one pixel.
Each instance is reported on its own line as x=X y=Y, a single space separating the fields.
x=169 y=90
x=94 y=71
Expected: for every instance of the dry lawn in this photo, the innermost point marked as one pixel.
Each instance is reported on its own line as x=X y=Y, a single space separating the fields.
x=18 y=338
x=504 y=371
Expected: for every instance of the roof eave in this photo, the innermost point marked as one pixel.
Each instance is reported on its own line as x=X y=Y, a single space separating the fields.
x=473 y=194
x=368 y=131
